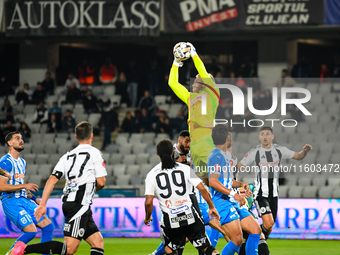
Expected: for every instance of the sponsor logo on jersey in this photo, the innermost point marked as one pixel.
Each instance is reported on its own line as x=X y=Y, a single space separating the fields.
x=263 y=210
x=81 y=232
x=269 y=163
x=168 y=203
x=19 y=176
x=181 y=218
x=67 y=227
x=179 y=202
x=179 y=210
x=263 y=156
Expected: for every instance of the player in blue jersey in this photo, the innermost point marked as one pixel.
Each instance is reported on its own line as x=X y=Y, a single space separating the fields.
x=227 y=201
x=16 y=205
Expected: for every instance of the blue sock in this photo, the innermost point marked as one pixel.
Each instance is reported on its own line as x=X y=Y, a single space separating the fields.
x=229 y=249
x=160 y=250
x=25 y=238
x=47 y=234
x=252 y=244
x=213 y=237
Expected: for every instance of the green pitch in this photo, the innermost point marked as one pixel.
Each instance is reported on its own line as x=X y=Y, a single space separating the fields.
x=144 y=246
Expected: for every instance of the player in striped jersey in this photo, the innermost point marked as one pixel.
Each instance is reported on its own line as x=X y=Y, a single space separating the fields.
x=84 y=171
x=267 y=158
x=16 y=205
x=228 y=202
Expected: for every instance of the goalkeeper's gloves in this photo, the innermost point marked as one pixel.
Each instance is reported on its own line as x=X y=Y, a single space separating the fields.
x=192 y=50
x=177 y=62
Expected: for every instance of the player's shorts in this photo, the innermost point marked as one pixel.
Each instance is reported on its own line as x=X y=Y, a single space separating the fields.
x=243 y=212
x=204 y=208
x=175 y=237
x=266 y=205
x=226 y=210
x=80 y=227
x=20 y=211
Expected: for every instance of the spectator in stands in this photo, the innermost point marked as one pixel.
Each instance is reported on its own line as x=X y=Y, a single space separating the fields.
x=109 y=119
x=62 y=72
x=163 y=124
x=132 y=82
x=258 y=100
x=336 y=67
x=21 y=97
x=300 y=69
x=90 y=102
x=71 y=79
x=241 y=84
x=7 y=110
x=178 y=123
x=255 y=83
x=145 y=122
x=69 y=122
x=48 y=84
x=5 y=88
x=53 y=124
x=90 y=72
x=56 y=110
x=108 y=73
x=28 y=91
x=73 y=94
x=83 y=91
x=39 y=94
x=40 y=114
x=325 y=75
x=267 y=101
x=147 y=102
x=25 y=131
x=121 y=89
x=9 y=128
x=225 y=111
x=129 y=124
x=213 y=68
x=285 y=80
x=154 y=78
x=189 y=72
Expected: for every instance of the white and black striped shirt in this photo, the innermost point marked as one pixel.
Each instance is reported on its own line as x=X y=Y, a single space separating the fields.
x=171 y=188
x=266 y=164
x=81 y=166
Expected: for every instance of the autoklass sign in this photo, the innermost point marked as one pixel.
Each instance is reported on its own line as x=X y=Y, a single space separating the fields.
x=82 y=18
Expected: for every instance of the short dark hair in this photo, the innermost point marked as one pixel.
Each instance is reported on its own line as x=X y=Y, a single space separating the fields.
x=284 y=70
x=83 y=130
x=267 y=128
x=10 y=135
x=219 y=134
x=184 y=133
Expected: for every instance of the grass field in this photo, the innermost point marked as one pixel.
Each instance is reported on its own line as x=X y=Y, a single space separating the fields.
x=144 y=246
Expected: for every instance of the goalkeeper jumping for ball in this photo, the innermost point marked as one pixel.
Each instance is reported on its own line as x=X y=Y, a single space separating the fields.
x=202 y=103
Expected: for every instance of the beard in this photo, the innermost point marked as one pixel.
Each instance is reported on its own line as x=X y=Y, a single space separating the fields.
x=183 y=149
x=18 y=149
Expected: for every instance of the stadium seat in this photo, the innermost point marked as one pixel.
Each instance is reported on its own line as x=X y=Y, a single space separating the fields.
x=334 y=181
x=60 y=140
x=138 y=148
x=81 y=117
x=142 y=158
x=154 y=159
x=295 y=192
x=110 y=180
x=330 y=99
x=63 y=148
x=45 y=170
x=53 y=159
x=119 y=169
x=319 y=181
x=112 y=148
x=325 y=192
x=32 y=169
x=38 y=148
x=94 y=118
x=115 y=159
x=136 y=180
x=97 y=90
x=36 y=179
x=161 y=136
x=325 y=88
x=132 y=169
x=309 y=192
x=160 y=99
x=52 y=148
x=145 y=169
x=123 y=179
x=283 y=191
x=125 y=148
x=115 y=100
x=336 y=193
x=174 y=109
x=109 y=90
x=136 y=138
x=41 y=158
x=164 y=107
x=106 y=157
x=121 y=140
x=313 y=118
x=30 y=158
x=148 y=138
x=304 y=181
x=151 y=149
x=326 y=148
x=129 y=159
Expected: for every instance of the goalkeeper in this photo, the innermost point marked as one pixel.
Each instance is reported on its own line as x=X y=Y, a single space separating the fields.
x=201 y=116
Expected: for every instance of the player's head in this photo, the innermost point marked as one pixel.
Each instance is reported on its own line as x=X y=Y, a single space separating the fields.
x=184 y=141
x=230 y=142
x=14 y=140
x=199 y=83
x=266 y=136
x=84 y=131
x=219 y=134
x=164 y=151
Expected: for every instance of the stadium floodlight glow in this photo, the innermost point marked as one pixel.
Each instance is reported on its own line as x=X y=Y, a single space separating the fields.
x=238 y=100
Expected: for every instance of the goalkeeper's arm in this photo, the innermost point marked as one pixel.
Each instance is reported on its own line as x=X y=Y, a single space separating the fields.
x=176 y=87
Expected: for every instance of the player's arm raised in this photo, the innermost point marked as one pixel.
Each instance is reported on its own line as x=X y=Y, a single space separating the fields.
x=300 y=155
x=4 y=186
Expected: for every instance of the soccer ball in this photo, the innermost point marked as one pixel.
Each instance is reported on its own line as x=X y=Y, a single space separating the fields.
x=182 y=51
